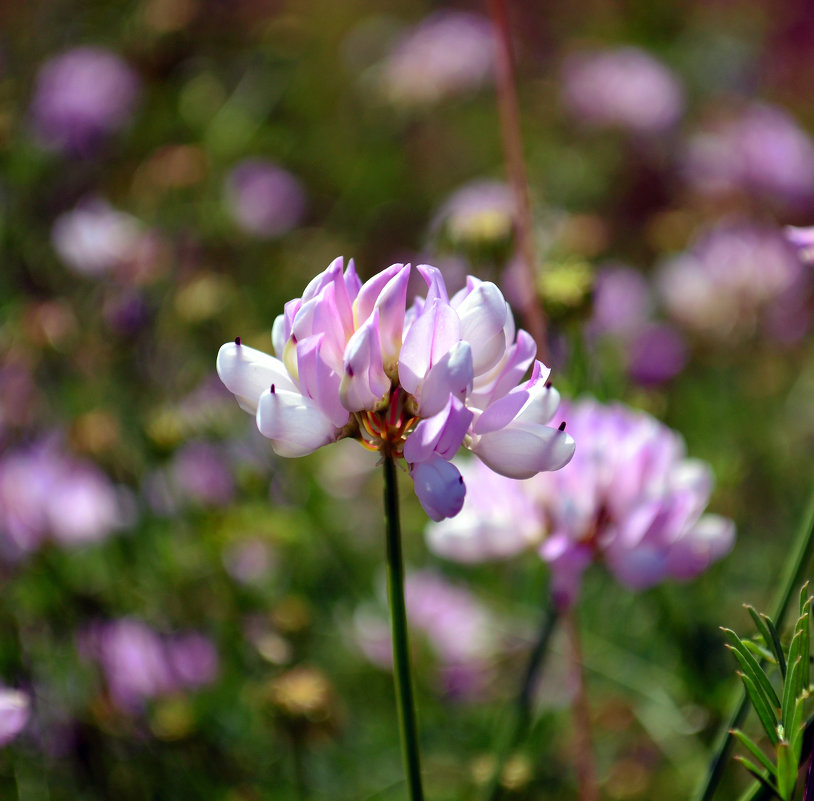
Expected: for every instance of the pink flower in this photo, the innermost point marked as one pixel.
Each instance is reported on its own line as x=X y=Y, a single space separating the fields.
x=630 y=498
x=625 y=87
x=140 y=664
x=418 y=383
x=449 y=53
x=15 y=710
x=81 y=97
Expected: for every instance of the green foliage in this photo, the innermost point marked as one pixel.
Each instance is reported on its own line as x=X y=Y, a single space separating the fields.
x=781 y=715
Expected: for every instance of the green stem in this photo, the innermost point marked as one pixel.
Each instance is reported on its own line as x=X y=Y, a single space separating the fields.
x=795 y=568
x=517 y=727
x=401 y=648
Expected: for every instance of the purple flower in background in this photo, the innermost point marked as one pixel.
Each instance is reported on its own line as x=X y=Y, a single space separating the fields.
x=630 y=498
x=622 y=302
x=725 y=283
x=15 y=710
x=652 y=352
x=763 y=151
x=94 y=238
x=46 y=493
x=802 y=240
x=479 y=212
x=201 y=474
x=657 y=354
x=416 y=383
x=140 y=664
x=81 y=97
x=458 y=629
x=449 y=53
x=264 y=199
x=625 y=87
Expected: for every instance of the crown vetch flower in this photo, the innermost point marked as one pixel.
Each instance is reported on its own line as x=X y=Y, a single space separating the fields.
x=630 y=498
x=353 y=361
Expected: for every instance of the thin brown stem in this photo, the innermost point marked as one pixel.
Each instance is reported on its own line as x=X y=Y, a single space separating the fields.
x=512 y=136
x=583 y=749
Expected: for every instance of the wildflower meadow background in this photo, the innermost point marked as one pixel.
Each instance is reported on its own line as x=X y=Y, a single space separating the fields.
x=185 y=614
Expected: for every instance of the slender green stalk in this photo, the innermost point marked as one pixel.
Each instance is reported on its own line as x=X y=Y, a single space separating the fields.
x=795 y=569
x=401 y=649
x=521 y=716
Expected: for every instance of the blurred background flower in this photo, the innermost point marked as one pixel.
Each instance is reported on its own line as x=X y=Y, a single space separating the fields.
x=81 y=97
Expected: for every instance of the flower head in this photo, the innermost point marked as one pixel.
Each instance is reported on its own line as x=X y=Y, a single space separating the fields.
x=630 y=498
x=418 y=383
x=264 y=199
x=449 y=53
x=625 y=87
x=730 y=280
x=81 y=96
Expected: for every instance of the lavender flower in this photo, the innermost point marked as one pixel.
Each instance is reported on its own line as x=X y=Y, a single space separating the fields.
x=416 y=383
x=724 y=284
x=625 y=87
x=94 y=238
x=139 y=664
x=15 y=710
x=45 y=493
x=81 y=97
x=460 y=632
x=763 y=152
x=652 y=352
x=630 y=498
x=449 y=53
x=264 y=199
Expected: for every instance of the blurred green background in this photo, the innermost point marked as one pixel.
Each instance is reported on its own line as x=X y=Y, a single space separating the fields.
x=171 y=173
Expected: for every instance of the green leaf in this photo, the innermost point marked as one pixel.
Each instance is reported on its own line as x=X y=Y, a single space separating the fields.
x=753 y=669
x=804 y=598
x=760 y=625
x=763 y=710
x=775 y=643
x=757 y=773
x=786 y=771
x=759 y=651
x=789 y=693
x=805 y=651
x=754 y=749
x=794 y=734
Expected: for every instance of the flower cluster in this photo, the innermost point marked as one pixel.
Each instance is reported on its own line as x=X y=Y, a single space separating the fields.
x=418 y=383
x=630 y=498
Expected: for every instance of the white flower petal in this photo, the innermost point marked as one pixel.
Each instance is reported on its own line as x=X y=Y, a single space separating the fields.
x=522 y=450
x=295 y=425
x=483 y=316
x=248 y=372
